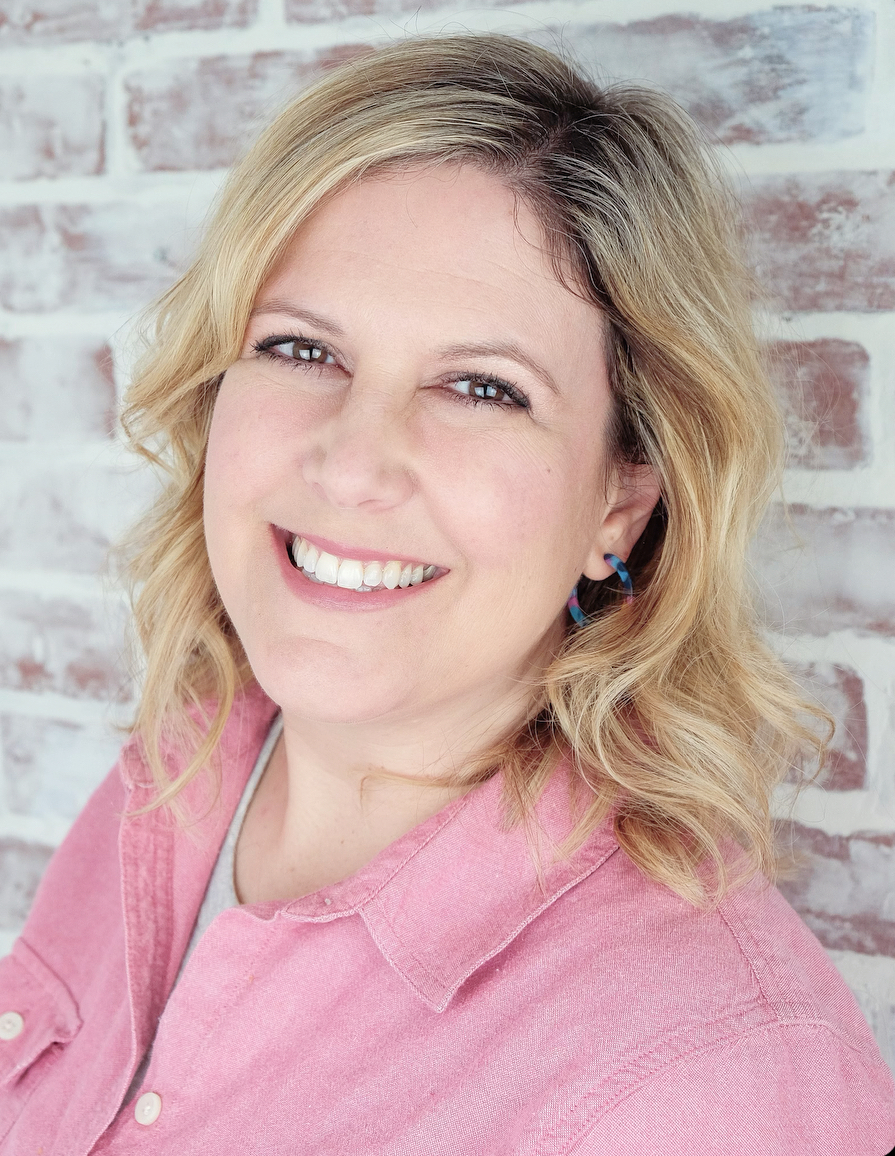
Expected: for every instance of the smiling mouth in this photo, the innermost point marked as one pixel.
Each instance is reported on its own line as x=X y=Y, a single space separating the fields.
x=351 y=574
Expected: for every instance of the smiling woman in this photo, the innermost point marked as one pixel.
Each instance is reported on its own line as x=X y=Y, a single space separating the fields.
x=412 y=850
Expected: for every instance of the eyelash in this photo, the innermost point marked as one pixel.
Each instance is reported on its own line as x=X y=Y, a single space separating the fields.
x=518 y=400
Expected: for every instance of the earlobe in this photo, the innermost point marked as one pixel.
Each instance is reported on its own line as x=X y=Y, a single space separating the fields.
x=626 y=517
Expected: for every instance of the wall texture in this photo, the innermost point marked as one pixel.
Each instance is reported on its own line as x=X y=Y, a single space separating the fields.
x=117 y=119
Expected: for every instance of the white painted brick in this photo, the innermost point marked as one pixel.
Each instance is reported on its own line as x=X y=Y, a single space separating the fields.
x=803 y=94
x=54 y=386
x=70 y=646
x=776 y=74
x=66 y=517
x=90 y=257
x=51 y=126
x=51 y=768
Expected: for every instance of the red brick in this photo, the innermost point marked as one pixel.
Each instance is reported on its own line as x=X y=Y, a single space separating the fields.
x=51 y=126
x=63 y=646
x=830 y=569
x=60 y=388
x=823 y=385
x=825 y=241
x=89 y=257
x=840 y=690
x=200 y=113
x=844 y=891
x=60 y=21
x=53 y=21
x=313 y=11
x=51 y=767
x=783 y=74
x=170 y=15
x=21 y=867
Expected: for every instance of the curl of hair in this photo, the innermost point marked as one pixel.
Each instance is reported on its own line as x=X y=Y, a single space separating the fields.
x=675 y=714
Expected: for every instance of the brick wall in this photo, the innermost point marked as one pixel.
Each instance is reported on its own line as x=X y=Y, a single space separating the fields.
x=116 y=122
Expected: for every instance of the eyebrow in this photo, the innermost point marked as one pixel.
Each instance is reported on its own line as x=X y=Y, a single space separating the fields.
x=306 y=315
x=506 y=349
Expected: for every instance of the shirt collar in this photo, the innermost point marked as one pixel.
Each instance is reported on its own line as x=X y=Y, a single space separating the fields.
x=450 y=894
x=439 y=902
x=165 y=865
x=474 y=886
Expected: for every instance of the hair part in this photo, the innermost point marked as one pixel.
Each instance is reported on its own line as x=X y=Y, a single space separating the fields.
x=675 y=714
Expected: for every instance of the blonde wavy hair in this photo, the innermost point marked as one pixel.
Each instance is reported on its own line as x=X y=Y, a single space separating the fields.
x=675 y=714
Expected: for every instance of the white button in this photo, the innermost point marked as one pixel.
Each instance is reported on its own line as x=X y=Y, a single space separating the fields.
x=148 y=1108
x=11 y=1025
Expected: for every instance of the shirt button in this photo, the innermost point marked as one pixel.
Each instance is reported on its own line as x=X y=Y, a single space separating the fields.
x=11 y=1025
x=148 y=1108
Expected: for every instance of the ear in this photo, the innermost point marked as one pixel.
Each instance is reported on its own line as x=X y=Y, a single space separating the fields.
x=631 y=499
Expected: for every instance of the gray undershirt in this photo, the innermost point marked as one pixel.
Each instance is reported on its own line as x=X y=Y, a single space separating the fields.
x=221 y=891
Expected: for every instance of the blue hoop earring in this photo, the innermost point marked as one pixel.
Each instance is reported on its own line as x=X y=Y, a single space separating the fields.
x=624 y=577
x=621 y=570
x=574 y=609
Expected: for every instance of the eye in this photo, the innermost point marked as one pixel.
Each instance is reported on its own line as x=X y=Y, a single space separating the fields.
x=490 y=391
x=292 y=349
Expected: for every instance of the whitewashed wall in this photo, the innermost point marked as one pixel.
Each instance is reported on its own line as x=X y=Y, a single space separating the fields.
x=116 y=123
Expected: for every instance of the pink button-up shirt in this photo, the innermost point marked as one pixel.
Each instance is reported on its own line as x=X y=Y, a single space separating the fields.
x=439 y=1001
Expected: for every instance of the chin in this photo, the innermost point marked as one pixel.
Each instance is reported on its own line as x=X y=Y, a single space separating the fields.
x=316 y=680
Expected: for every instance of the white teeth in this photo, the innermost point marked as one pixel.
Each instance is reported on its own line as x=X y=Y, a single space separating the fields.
x=351 y=574
x=372 y=573
x=391 y=575
x=299 y=551
x=311 y=557
x=327 y=568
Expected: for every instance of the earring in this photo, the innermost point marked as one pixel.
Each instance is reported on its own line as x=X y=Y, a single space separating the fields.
x=574 y=609
x=624 y=577
x=622 y=571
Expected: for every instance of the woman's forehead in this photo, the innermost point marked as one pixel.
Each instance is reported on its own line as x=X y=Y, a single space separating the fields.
x=446 y=235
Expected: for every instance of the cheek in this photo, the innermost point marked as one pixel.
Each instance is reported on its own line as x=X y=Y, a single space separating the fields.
x=510 y=505
x=239 y=462
x=230 y=436
x=544 y=522
x=222 y=468
x=236 y=469
x=217 y=514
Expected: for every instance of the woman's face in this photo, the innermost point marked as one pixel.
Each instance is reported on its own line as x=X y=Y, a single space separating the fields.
x=415 y=385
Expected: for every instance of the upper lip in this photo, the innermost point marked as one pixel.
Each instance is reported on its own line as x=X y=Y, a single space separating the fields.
x=340 y=550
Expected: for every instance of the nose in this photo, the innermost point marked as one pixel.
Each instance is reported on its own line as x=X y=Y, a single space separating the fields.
x=360 y=453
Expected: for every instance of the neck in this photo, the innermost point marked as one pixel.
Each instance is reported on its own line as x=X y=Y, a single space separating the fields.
x=334 y=795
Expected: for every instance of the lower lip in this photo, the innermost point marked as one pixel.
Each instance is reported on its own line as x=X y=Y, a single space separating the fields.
x=335 y=597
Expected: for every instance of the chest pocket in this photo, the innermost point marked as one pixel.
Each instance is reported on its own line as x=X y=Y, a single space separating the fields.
x=37 y=1016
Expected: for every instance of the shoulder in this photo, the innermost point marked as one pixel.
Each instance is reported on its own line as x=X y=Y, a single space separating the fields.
x=79 y=897
x=719 y=1024
x=777 y=1089
x=81 y=887
x=751 y=954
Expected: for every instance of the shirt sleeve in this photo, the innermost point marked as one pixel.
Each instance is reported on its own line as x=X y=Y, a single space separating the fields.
x=783 y=1090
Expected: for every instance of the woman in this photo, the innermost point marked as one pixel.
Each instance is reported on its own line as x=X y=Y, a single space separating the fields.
x=410 y=851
